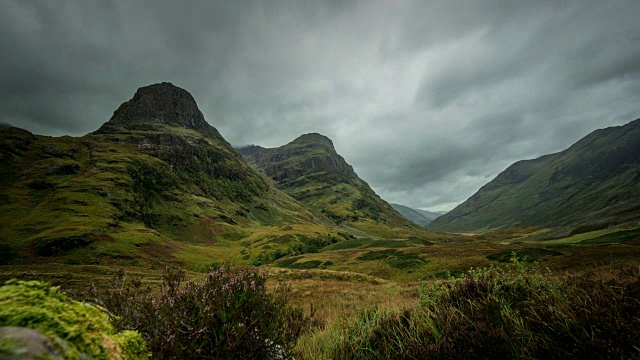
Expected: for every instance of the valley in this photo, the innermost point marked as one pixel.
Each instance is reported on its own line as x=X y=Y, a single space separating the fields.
x=158 y=186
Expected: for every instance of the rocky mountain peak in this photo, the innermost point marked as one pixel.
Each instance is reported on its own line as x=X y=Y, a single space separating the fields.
x=157 y=104
x=310 y=156
x=314 y=138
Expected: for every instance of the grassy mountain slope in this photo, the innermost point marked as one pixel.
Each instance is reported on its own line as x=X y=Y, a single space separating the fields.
x=310 y=170
x=156 y=184
x=595 y=181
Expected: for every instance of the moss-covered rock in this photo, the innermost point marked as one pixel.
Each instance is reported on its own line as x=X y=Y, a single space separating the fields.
x=77 y=330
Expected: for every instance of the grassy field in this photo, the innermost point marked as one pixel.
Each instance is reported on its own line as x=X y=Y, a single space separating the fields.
x=341 y=276
x=305 y=247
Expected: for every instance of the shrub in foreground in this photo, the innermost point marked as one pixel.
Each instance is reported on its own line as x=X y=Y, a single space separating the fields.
x=516 y=311
x=229 y=315
x=524 y=312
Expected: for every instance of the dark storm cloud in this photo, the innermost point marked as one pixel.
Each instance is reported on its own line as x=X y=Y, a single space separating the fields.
x=428 y=100
x=69 y=64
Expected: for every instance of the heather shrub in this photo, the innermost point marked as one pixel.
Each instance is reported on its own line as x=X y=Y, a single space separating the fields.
x=229 y=315
x=487 y=311
x=522 y=312
x=7 y=254
x=515 y=311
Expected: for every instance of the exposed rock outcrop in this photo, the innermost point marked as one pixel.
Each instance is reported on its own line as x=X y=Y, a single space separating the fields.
x=156 y=105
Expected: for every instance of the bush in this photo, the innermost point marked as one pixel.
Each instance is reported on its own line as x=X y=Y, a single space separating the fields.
x=229 y=315
x=516 y=311
x=7 y=254
x=525 y=312
x=57 y=246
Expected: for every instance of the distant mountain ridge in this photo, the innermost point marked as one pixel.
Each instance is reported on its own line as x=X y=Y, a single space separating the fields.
x=431 y=214
x=596 y=180
x=417 y=216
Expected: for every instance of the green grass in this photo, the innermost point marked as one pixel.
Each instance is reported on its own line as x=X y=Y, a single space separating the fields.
x=293 y=263
x=287 y=262
x=514 y=311
x=445 y=275
x=378 y=255
x=312 y=264
x=390 y=243
x=396 y=259
x=526 y=254
x=614 y=238
x=349 y=244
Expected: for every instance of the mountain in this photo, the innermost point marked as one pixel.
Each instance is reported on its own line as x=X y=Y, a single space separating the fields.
x=431 y=214
x=596 y=181
x=155 y=184
x=311 y=171
x=417 y=216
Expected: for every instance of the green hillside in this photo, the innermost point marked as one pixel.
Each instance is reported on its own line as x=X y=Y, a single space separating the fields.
x=310 y=170
x=157 y=185
x=596 y=181
x=154 y=185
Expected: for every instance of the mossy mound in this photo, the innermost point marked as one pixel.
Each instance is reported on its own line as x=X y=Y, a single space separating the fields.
x=77 y=330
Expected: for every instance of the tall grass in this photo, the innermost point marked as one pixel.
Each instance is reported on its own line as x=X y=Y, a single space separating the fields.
x=514 y=311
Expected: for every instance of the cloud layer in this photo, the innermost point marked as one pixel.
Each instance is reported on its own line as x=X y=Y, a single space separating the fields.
x=427 y=100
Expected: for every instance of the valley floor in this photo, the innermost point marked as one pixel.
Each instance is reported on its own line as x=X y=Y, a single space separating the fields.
x=363 y=274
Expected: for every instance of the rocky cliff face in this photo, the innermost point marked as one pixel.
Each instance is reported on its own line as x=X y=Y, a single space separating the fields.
x=311 y=156
x=158 y=105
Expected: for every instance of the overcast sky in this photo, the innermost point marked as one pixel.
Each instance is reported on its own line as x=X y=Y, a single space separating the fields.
x=428 y=100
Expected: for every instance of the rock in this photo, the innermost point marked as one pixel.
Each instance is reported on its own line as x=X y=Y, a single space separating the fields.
x=160 y=105
x=25 y=344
